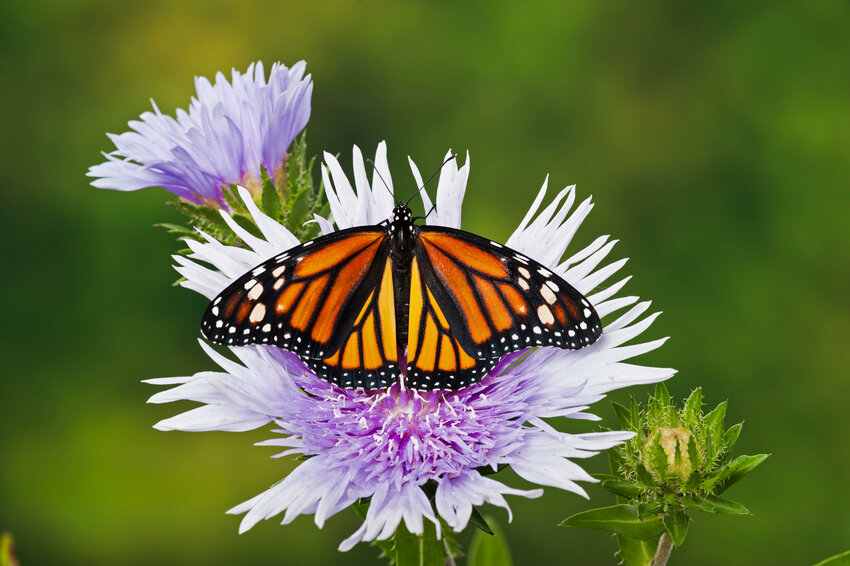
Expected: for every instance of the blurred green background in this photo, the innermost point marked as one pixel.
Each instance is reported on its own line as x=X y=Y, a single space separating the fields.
x=714 y=139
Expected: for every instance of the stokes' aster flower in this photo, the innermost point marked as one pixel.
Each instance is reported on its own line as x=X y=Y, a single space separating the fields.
x=388 y=445
x=231 y=129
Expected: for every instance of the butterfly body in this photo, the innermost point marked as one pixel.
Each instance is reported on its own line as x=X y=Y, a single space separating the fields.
x=440 y=306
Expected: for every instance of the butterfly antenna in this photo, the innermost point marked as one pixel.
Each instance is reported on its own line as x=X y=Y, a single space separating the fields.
x=434 y=174
x=433 y=207
x=381 y=177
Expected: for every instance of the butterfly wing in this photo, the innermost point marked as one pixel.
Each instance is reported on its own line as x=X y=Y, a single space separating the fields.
x=435 y=357
x=368 y=355
x=494 y=300
x=325 y=300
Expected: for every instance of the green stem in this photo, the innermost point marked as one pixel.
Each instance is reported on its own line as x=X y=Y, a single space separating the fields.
x=662 y=553
x=450 y=560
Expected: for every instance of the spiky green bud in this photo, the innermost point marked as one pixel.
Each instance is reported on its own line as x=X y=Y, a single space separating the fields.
x=679 y=461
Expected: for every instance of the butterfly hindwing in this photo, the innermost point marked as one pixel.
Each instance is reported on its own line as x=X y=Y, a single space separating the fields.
x=306 y=299
x=435 y=357
x=505 y=300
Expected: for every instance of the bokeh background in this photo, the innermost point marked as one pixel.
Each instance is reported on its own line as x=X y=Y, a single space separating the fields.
x=714 y=139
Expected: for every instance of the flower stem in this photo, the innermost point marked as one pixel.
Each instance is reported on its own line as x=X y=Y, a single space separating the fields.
x=450 y=560
x=662 y=553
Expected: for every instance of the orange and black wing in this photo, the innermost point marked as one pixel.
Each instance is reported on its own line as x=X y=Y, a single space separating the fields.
x=435 y=358
x=487 y=300
x=326 y=300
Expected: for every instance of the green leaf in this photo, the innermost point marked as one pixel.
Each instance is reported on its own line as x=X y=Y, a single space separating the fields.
x=650 y=508
x=621 y=519
x=616 y=462
x=677 y=457
x=661 y=394
x=177 y=229
x=479 y=522
x=418 y=550
x=622 y=488
x=713 y=430
x=644 y=476
x=299 y=210
x=623 y=416
x=271 y=197
x=714 y=423
x=693 y=454
x=656 y=409
x=489 y=550
x=634 y=414
x=636 y=552
x=731 y=436
x=659 y=457
x=676 y=524
x=714 y=504
x=203 y=217
x=732 y=472
x=842 y=559
x=450 y=544
x=693 y=409
x=248 y=224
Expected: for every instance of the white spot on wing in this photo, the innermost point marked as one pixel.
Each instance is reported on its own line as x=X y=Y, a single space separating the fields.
x=524 y=284
x=279 y=271
x=255 y=292
x=545 y=315
x=548 y=295
x=524 y=272
x=258 y=313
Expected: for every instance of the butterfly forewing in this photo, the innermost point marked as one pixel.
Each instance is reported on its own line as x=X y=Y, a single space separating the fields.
x=306 y=299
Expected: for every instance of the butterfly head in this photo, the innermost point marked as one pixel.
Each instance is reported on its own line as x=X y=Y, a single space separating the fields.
x=402 y=214
x=402 y=233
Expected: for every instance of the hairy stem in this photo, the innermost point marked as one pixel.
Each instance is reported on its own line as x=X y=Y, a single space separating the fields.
x=662 y=553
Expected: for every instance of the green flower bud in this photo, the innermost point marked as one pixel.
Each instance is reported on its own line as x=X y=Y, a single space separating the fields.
x=678 y=462
x=674 y=443
x=676 y=454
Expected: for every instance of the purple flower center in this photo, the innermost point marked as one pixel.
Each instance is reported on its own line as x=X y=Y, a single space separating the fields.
x=400 y=435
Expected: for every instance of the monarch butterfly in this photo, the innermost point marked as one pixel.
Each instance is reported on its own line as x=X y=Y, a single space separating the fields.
x=442 y=305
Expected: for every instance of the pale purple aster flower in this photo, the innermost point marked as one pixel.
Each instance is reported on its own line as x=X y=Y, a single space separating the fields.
x=230 y=131
x=387 y=445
